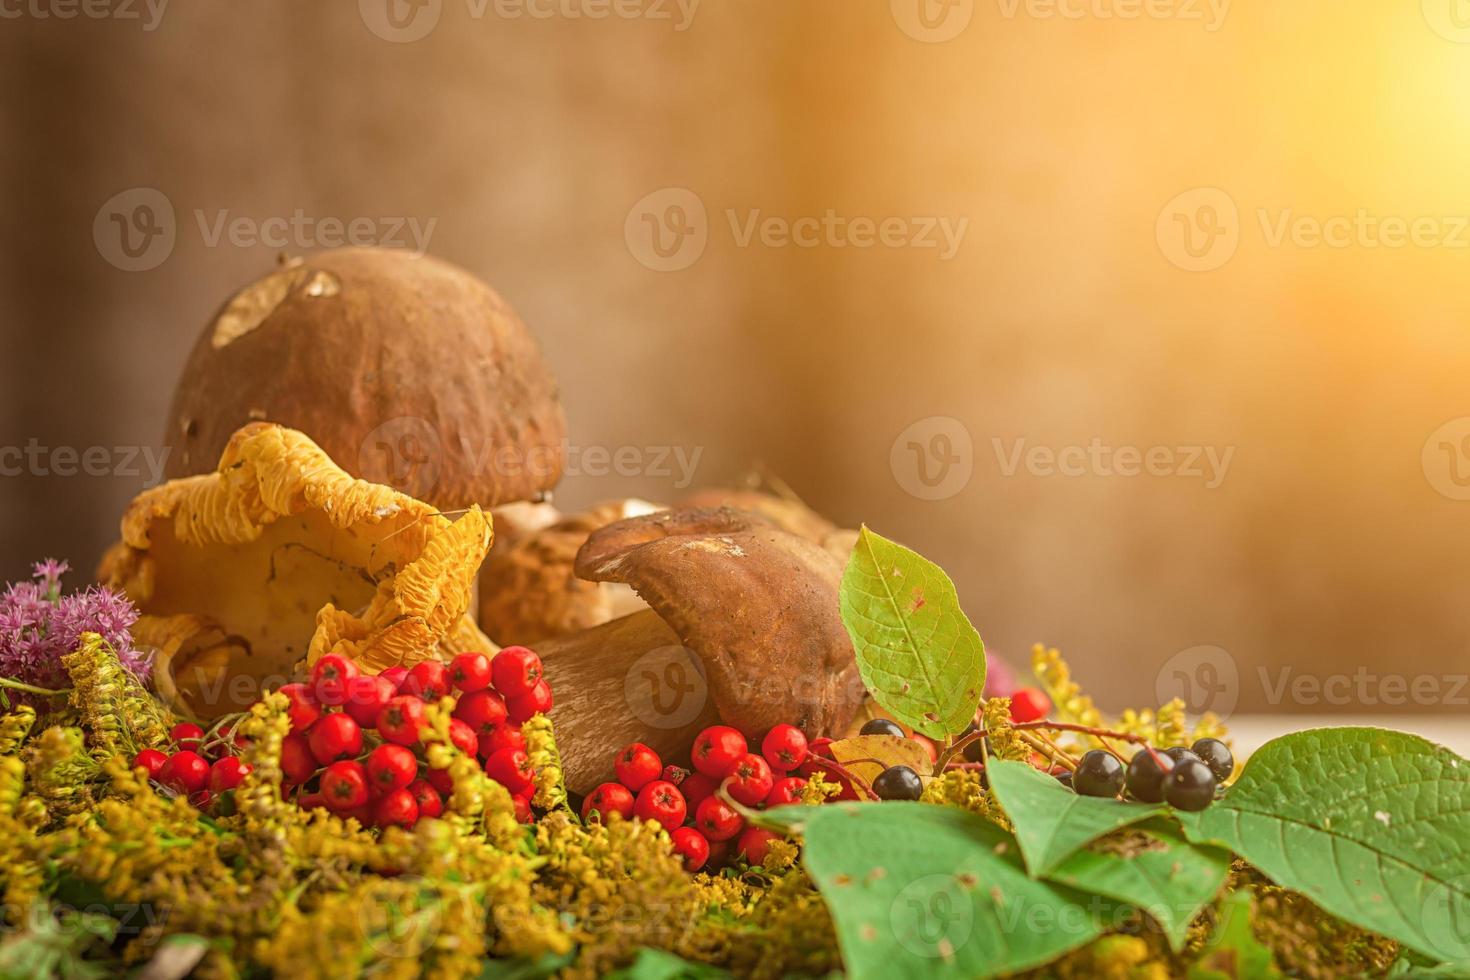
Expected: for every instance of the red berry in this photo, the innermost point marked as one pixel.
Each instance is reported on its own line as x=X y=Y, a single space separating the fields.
x=697 y=787
x=470 y=672
x=716 y=750
x=150 y=759
x=510 y=768
x=429 y=679
x=431 y=804
x=442 y=782
x=396 y=809
x=401 y=719
x=717 y=820
x=786 y=790
x=608 y=798
x=312 y=801
x=345 y=786
x=297 y=762
x=395 y=675
x=227 y=773
x=334 y=736
x=186 y=736
x=481 y=710
x=304 y=709
x=366 y=695
x=202 y=800
x=784 y=747
x=751 y=780
x=185 y=771
x=1029 y=704
x=690 y=845
x=391 y=767
x=501 y=737
x=754 y=844
x=719 y=854
x=523 y=808
x=515 y=671
x=637 y=766
x=330 y=676
x=661 y=802
x=676 y=776
x=463 y=737
x=522 y=707
x=927 y=744
x=818 y=747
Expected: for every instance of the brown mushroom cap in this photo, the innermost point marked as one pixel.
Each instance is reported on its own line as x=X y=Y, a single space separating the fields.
x=757 y=604
x=409 y=372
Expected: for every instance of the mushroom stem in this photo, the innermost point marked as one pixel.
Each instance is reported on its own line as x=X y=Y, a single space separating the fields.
x=628 y=680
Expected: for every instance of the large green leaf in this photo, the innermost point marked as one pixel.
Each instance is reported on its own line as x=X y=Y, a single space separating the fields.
x=916 y=650
x=925 y=891
x=1156 y=871
x=1372 y=825
x=1052 y=822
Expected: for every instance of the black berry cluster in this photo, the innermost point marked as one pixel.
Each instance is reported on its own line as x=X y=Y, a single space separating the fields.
x=1186 y=779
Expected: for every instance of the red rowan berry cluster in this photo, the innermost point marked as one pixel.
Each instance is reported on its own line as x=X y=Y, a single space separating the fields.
x=706 y=831
x=355 y=741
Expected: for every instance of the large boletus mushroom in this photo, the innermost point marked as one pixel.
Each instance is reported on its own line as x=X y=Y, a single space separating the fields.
x=407 y=371
x=743 y=626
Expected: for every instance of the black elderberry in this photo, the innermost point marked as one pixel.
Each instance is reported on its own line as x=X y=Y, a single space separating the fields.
x=1146 y=776
x=881 y=726
x=1098 y=774
x=1216 y=754
x=1190 y=786
x=898 y=783
x=1179 y=753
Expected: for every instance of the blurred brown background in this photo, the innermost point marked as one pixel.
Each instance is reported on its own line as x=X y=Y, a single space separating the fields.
x=546 y=144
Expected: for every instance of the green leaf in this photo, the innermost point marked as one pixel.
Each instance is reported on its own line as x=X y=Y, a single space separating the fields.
x=525 y=967
x=1372 y=825
x=1234 y=952
x=916 y=650
x=1159 y=873
x=1052 y=822
x=925 y=891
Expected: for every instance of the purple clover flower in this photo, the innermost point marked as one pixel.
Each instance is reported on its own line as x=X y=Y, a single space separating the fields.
x=39 y=625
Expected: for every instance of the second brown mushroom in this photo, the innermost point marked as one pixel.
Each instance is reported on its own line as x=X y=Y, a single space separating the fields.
x=743 y=627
